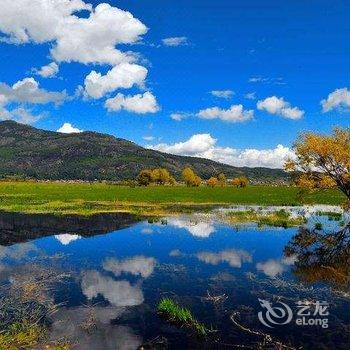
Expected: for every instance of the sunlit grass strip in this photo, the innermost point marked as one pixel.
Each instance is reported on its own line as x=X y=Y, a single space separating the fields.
x=181 y=316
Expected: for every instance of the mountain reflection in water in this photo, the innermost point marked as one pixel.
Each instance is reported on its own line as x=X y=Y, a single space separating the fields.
x=117 y=268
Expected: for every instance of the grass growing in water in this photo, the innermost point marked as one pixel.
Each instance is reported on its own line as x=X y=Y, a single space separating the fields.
x=21 y=336
x=181 y=316
x=280 y=218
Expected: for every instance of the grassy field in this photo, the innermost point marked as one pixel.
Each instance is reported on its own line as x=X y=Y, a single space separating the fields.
x=32 y=197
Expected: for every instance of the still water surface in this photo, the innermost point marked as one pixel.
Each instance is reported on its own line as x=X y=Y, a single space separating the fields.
x=119 y=267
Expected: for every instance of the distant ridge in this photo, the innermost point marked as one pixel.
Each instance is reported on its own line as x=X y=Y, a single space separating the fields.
x=41 y=154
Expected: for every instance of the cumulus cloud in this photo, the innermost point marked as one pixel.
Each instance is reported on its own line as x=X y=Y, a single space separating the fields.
x=49 y=71
x=195 y=145
x=339 y=98
x=67 y=238
x=118 y=293
x=198 y=229
x=67 y=324
x=28 y=91
x=274 y=267
x=85 y=40
x=235 y=258
x=278 y=106
x=205 y=146
x=175 y=41
x=14 y=100
x=271 y=267
x=137 y=265
x=20 y=115
x=124 y=76
x=235 y=114
x=68 y=128
x=140 y=103
x=89 y=39
x=222 y=93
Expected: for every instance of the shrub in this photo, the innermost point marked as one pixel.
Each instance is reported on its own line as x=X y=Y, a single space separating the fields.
x=144 y=178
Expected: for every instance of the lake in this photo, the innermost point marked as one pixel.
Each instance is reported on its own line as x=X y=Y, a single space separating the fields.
x=255 y=287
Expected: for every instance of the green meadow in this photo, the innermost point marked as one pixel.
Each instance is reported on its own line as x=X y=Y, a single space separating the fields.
x=84 y=198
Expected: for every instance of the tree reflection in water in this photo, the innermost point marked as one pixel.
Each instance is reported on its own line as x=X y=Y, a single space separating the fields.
x=322 y=257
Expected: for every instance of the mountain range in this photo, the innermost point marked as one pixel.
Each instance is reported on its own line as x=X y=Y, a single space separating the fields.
x=29 y=152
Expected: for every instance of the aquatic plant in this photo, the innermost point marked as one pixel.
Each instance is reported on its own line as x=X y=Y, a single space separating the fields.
x=318 y=226
x=280 y=218
x=181 y=316
x=22 y=335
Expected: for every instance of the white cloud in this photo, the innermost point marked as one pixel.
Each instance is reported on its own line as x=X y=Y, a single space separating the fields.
x=235 y=114
x=68 y=322
x=198 y=229
x=89 y=39
x=148 y=138
x=278 y=106
x=339 y=98
x=271 y=267
x=257 y=79
x=235 y=258
x=175 y=41
x=266 y=80
x=49 y=71
x=123 y=76
x=274 y=267
x=20 y=115
x=68 y=128
x=250 y=96
x=205 y=146
x=25 y=92
x=17 y=252
x=197 y=144
x=118 y=293
x=178 y=116
x=84 y=40
x=28 y=91
x=140 y=103
x=222 y=93
x=67 y=238
x=137 y=265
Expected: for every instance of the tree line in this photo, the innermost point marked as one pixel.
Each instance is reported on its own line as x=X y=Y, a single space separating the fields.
x=161 y=176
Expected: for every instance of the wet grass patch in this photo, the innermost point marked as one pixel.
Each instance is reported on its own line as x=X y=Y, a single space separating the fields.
x=180 y=316
x=280 y=218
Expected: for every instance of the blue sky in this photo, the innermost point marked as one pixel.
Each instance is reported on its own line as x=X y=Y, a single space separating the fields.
x=271 y=64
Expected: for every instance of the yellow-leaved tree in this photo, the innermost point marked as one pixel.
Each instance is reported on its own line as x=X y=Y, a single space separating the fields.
x=222 y=179
x=212 y=182
x=191 y=178
x=241 y=181
x=161 y=176
x=323 y=161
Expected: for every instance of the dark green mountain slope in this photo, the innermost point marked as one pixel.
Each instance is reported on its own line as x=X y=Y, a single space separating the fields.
x=40 y=154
